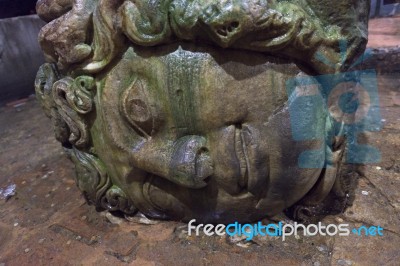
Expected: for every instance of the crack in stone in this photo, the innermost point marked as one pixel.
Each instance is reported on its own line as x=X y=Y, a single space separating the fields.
x=382 y=194
x=128 y=257
x=62 y=230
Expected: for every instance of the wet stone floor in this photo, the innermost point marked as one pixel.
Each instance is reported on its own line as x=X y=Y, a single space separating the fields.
x=45 y=220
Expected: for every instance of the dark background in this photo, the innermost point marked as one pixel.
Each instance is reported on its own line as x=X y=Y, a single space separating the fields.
x=20 y=54
x=387 y=2
x=15 y=8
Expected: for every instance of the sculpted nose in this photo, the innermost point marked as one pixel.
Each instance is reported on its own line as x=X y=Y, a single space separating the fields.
x=224 y=23
x=190 y=162
x=226 y=30
x=185 y=162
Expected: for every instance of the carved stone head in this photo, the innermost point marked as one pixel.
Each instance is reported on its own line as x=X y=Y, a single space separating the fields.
x=179 y=109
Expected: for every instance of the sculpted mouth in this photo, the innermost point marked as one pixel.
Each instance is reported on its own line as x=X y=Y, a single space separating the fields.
x=242 y=156
x=252 y=159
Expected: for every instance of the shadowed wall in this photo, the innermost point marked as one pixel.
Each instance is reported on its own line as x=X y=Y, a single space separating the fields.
x=20 y=56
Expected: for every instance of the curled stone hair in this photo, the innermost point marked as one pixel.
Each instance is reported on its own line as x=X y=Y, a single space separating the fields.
x=85 y=35
x=68 y=102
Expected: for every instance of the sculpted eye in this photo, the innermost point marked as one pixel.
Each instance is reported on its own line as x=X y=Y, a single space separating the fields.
x=136 y=108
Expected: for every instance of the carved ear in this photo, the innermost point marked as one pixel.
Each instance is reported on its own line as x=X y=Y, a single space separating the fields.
x=66 y=101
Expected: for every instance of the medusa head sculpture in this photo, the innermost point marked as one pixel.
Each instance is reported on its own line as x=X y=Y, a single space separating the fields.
x=179 y=109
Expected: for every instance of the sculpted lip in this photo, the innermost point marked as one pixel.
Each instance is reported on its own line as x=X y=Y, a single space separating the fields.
x=253 y=160
x=241 y=154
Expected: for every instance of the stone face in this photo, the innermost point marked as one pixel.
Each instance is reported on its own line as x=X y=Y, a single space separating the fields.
x=181 y=109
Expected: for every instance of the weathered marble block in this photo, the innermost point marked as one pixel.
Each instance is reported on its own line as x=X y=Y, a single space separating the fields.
x=182 y=109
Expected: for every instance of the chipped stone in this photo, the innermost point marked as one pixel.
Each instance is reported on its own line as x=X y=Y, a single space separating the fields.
x=244 y=245
x=8 y=192
x=322 y=248
x=343 y=262
x=113 y=219
x=141 y=218
x=339 y=220
x=236 y=238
